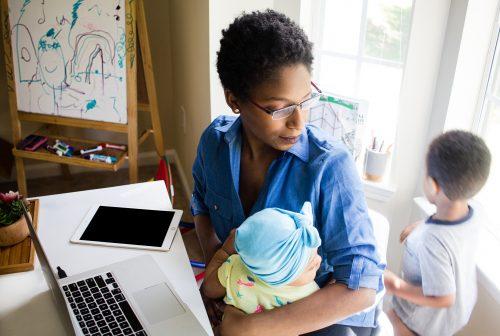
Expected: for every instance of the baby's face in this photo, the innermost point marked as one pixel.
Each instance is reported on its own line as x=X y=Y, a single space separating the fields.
x=309 y=272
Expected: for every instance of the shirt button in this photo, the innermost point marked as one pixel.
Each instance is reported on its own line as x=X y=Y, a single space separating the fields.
x=216 y=207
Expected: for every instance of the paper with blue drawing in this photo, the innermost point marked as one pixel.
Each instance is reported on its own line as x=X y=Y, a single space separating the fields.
x=69 y=58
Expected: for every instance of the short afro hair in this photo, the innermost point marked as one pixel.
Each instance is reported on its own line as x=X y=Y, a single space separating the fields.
x=459 y=162
x=256 y=46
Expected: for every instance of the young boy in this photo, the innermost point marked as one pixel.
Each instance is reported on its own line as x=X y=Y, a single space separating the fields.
x=276 y=262
x=437 y=291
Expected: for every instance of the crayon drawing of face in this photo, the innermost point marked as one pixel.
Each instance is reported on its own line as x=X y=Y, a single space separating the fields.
x=51 y=59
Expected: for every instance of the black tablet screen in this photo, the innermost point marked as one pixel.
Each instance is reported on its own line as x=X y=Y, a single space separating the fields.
x=128 y=226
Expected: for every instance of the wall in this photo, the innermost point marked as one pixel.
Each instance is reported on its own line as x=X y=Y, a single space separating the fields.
x=191 y=76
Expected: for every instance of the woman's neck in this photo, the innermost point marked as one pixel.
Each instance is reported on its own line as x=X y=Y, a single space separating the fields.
x=451 y=210
x=256 y=149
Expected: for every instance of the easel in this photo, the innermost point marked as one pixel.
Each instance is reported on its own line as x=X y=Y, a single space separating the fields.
x=136 y=32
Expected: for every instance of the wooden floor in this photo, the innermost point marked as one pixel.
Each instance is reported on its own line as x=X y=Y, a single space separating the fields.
x=102 y=179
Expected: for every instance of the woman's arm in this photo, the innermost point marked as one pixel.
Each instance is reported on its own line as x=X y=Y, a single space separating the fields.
x=325 y=307
x=206 y=236
x=405 y=290
x=212 y=287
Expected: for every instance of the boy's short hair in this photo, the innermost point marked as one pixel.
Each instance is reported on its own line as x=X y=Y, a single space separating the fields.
x=459 y=162
x=256 y=46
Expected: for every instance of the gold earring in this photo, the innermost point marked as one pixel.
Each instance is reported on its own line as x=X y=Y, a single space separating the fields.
x=236 y=111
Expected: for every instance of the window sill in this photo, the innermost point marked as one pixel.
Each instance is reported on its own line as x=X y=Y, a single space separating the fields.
x=379 y=191
x=488 y=273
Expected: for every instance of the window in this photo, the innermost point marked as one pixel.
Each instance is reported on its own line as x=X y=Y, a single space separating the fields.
x=487 y=124
x=360 y=51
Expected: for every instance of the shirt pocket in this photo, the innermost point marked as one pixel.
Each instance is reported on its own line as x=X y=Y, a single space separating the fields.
x=218 y=206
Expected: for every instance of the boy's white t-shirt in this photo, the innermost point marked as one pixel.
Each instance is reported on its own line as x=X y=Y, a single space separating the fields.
x=439 y=256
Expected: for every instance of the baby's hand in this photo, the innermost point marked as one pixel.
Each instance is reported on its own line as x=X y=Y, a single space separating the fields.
x=407 y=230
x=228 y=245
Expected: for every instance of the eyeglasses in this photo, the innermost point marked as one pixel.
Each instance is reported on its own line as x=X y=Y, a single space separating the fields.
x=289 y=110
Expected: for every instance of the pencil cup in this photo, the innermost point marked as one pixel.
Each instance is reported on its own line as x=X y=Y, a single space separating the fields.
x=374 y=164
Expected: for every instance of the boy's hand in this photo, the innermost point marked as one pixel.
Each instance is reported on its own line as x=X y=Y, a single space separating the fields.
x=228 y=245
x=391 y=281
x=407 y=230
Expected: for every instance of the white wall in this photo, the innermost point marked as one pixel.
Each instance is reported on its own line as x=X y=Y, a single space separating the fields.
x=478 y=26
x=464 y=102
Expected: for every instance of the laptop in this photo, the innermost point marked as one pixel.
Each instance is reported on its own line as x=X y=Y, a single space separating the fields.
x=131 y=297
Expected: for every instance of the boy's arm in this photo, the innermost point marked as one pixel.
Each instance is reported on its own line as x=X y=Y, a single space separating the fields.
x=323 y=308
x=405 y=290
x=212 y=287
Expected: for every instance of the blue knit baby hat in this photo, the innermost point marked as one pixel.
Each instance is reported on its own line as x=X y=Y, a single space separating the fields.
x=275 y=244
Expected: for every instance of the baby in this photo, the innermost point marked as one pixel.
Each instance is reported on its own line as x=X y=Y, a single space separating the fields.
x=276 y=262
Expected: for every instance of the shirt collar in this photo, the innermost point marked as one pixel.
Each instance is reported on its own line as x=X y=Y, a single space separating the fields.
x=232 y=129
x=301 y=148
x=431 y=220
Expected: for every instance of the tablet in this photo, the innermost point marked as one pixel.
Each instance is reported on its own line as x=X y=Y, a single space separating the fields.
x=128 y=227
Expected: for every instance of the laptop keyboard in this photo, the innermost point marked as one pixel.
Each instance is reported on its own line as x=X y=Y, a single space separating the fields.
x=101 y=308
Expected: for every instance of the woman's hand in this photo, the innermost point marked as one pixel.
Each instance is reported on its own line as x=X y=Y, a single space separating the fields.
x=234 y=322
x=214 y=308
x=228 y=245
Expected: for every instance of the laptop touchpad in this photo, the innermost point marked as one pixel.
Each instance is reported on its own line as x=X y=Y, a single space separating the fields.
x=157 y=303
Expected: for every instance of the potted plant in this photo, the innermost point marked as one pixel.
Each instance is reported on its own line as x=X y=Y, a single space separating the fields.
x=13 y=227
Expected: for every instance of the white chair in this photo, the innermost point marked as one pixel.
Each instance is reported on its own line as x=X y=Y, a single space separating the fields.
x=381 y=230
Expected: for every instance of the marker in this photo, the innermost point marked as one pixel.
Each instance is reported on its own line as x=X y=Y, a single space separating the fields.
x=199 y=276
x=197 y=264
x=101 y=158
x=113 y=146
x=61 y=148
x=90 y=150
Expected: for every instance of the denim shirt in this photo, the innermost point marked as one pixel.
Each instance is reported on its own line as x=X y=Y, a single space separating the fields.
x=315 y=169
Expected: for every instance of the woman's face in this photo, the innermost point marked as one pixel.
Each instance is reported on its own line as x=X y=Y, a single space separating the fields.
x=292 y=86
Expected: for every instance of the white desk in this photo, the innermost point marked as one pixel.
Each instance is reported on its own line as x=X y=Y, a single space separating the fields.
x=26 y=306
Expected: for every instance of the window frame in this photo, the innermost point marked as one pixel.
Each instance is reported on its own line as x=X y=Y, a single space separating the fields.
x=316 y=29
x=480 y=117
x=481 y=114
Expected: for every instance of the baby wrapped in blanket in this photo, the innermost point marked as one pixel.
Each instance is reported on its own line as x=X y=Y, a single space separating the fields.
x=276 y=262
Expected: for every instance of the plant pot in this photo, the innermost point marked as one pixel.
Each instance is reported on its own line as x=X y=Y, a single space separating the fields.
x=14 y=233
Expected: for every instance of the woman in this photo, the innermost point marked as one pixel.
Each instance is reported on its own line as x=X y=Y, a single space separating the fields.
x=268 y=157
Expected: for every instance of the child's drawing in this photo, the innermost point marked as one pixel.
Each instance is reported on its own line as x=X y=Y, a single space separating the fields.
x=343 y=118
x=69 y=58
